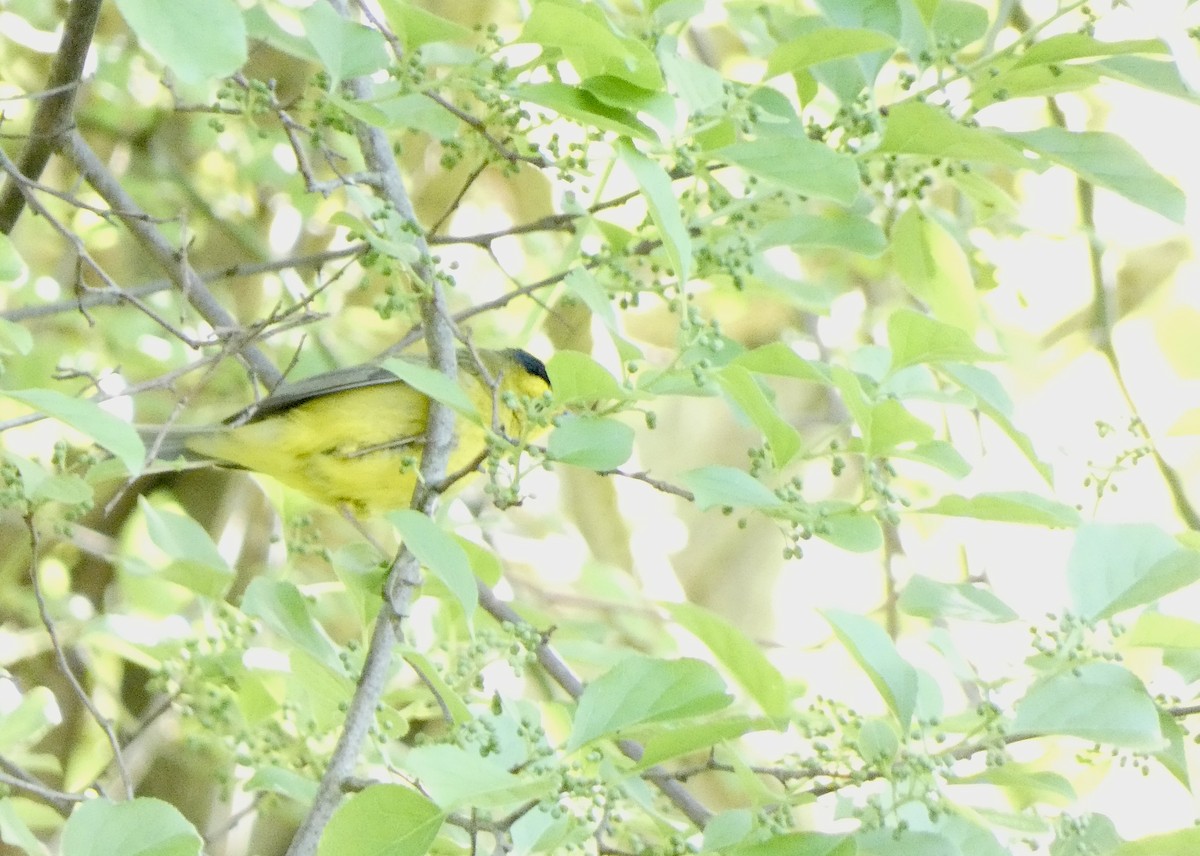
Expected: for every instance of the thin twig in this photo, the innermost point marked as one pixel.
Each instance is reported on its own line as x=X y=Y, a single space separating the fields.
x=84 y=257
x=79 y=153
x=16 y=777
x=562 y=675
x=1104 y=318
x=96 y=297
x=657 y=484
x=60 y=656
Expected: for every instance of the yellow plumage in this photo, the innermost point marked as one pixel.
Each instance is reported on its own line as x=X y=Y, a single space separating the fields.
x=355 y=436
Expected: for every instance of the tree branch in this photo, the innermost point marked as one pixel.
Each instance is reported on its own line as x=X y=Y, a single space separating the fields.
x=97 y=297
x=55 y=112
x=60 y=656
x=562 y=675
x=174 y=262
x=405 y=572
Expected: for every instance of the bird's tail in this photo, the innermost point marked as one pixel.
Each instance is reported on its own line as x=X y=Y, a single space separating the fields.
x=169 y=443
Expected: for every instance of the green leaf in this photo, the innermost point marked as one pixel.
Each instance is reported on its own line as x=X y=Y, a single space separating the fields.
x=1175 y=335
x=886 y=842
x=935 y=269
x=285 y=611
x=1174 y=756
x=727 y=828
x=798 y=164
x=721 y=487
x=987 y=197
x=700 y=86
x=416 y=26
x=1156 y=630
x=544 y=830
x=892 y=426
x=433 y=383
x=837 y=230
x=671 y=740
x=854 y=397
x=776 y=358
x=883 y=16
x=595 y=443
x=823 y=45
x=261 y=27
x=484 y=562
x=454 y=776
x=928 y=598
x=196 y=564
x=1038 y=81
x=939 y=454
x=740 y=385
x=799 y=844
x=27 y=721
x=138 y=827
x=915 y=128
x=876 y=654
x=844 y=525
x=993 y=402
x=15 y=831
x=1153 y=75
x=585 y=36
x=383 y=820
x=63 y=487
x=1068 y=46
x=14 y=339
x=1107 y=160
x=1114 y=567
x=571 y=102
x=456 y=709
x=346 y=48
x=441 y=555
x=1007 y=507
x=621 y=95
x=584 y=285
x=877 y=741
x=959 y=22
x=197 y=39
x=11 y=263
x=1102 y=702
x=664 y=208
x=734 y=650
x=277 y=780
x=1181 y=842
x=916 y=338
x=87 y=417
x=1024 y=785
x=576 y=377
x=640 y=690
x=413 y=111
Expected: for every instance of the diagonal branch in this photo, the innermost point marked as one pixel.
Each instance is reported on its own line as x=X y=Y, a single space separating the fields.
x=668 y=783
x=174 y=262
x=55 y=113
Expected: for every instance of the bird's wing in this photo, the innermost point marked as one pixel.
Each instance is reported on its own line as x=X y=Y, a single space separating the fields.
x=288 y=395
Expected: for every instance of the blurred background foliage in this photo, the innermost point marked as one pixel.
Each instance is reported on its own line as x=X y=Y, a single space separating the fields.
x=908 y=345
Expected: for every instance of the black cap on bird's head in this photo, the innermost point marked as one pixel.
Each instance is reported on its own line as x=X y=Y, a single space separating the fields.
x=530 y=363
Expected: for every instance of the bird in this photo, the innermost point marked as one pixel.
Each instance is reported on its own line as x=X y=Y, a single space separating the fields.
x=354 y=436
